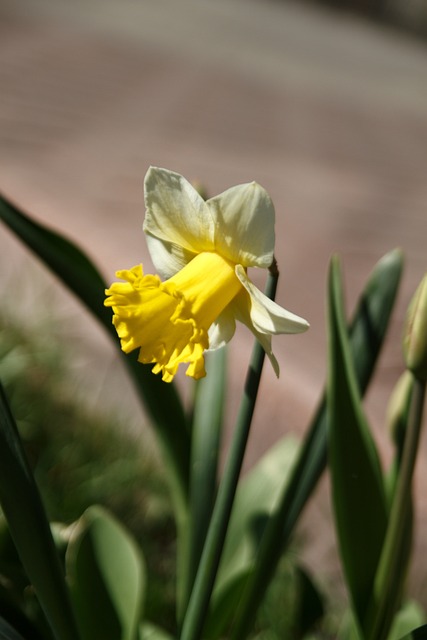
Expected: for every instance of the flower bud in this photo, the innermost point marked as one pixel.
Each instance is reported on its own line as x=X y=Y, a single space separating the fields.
x=398 y=408
x=415 y=336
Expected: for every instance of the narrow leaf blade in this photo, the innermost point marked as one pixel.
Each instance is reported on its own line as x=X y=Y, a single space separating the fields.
x=206 y=431
x=359 y=500
x=366 y=333
x=78 y=273
x=29 y=528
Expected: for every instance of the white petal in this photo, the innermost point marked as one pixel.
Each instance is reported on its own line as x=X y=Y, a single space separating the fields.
x=268 y=317
x=244 y=225
x=222 y=330
x=175 y=212
x=241 y=306
x=168 y=258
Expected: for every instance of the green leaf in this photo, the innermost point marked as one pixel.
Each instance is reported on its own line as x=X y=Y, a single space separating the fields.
x=359 y=500
x=29 y=528
x=367 y=332
x=107 y=578
x=77 y=272
x=208 y=414
x=308 y=608
x=409 y=617
x=417 y=634
x=256 y=498
x=149 y=631
x=391 y=573
x=62 y=257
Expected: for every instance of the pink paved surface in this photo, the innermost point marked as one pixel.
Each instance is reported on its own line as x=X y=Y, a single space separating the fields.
x=328 y=115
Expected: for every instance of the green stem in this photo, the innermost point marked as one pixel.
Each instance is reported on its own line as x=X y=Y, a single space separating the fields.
x=270 y=551
x=205 y=447
x=209 y=562
x=387 y=589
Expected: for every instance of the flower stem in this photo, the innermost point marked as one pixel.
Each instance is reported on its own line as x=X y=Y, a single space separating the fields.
x=199 y=601
x=390 y=574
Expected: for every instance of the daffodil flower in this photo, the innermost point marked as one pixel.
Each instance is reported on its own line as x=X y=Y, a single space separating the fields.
x=202 y=250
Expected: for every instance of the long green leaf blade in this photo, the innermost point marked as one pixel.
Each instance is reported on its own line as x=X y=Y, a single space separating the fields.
x=206 y=431
x=29 y=528
x=77 y=272
x=358 y=493
x=367 y=332
x=417 y=634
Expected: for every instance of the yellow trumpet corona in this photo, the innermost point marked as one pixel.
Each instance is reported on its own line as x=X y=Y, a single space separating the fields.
x=169 y=321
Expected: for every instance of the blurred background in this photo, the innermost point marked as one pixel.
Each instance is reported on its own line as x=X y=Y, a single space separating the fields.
x=324 y=104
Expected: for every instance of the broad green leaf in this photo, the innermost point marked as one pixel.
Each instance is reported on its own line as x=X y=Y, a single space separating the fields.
x=149 y=631
x=256 y=498
x=359 y=500
x=107 y=578
x=367 y=332
x=410 y=617
x=77 y=272
x=420 y=633
x=29 y=528
x=208 y=411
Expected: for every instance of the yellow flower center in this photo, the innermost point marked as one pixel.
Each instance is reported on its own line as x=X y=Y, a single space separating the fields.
x=169 y=321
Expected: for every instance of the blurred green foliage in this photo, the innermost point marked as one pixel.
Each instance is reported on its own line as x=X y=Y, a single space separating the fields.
x=82 y=457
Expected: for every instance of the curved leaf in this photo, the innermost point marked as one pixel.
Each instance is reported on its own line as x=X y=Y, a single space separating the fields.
x=409 y=617
x=417 y=634
x=149 y=631
x=256 y=499
x=107 y=578
x=29 y=528
x=77 y=272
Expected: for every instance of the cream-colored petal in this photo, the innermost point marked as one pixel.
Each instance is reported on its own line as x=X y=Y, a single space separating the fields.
x=244 y=225
x=268 y=317
x=241 y=307
x=176 y=213
x=168 y=258
x=222 y=330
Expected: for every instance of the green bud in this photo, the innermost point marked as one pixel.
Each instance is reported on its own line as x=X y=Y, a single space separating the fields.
x=398 y=408
x=415 y=336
